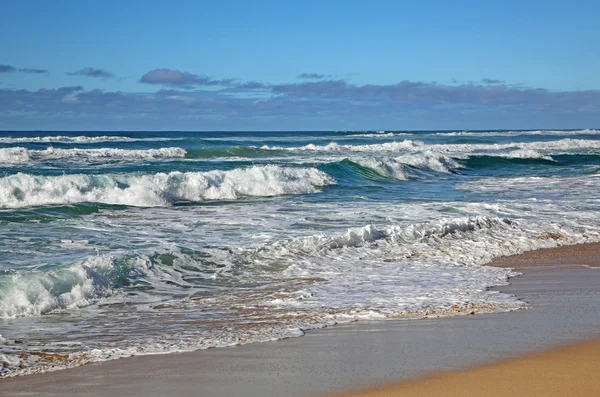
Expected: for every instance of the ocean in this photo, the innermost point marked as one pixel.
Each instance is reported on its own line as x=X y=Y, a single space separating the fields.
x=115 y=244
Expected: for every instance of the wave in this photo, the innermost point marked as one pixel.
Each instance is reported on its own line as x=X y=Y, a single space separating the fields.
x=403 y=271
x=529 y=154
x=38 y=292
x=22 y=155
x=401 y=167
x=78 y=139
x=518 y=133
x=381 y=134
x=14 y=155
x=566 y=144
x=35 y=292
x=395 y=146
x=161 y=189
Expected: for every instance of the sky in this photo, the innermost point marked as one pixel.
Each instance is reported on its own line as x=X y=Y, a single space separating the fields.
x=299 y=65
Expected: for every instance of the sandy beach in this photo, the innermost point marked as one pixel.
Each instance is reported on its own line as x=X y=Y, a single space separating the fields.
x=568 y=371
x=296 y=199
x=563 y=311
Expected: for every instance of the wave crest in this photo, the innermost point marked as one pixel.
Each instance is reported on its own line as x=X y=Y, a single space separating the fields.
x=566 y=144
x=400 y=167
x=39 y=292
x=161 y=189
x=78 y=139
x=22 y=155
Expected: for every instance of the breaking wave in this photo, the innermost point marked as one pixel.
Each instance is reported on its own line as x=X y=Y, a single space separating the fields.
x=518 y=133
x=161 y=189
x=21 y=155
x=395 y=146
x=433 y=251
x=401 y=167
x=38 y=292
x=78 y=139
x=566 y=144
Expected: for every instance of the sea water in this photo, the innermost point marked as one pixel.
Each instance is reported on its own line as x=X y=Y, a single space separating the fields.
x=120 y=244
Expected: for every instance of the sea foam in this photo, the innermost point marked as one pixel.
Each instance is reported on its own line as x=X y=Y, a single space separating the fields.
x=38 y=292
x=161 y=189
x=400 y=167
x=78 y=139
x=21 y=155
x=408 y=145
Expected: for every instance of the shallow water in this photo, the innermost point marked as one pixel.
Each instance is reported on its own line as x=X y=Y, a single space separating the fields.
x=115 y=244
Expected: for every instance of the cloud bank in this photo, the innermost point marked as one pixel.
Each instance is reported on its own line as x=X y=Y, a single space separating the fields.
x=188 y=101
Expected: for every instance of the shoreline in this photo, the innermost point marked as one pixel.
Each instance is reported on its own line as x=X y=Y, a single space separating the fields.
x=569 y=370
x=565 y=369
x=348 y=357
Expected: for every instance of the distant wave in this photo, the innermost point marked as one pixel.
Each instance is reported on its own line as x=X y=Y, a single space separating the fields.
x=161 y=189
x=565 y=144
x=526 y=154
x=78 y=139
x=382 y=134
x=517 y=133
x=400 y=167
x=21 y=155
x=395 y=146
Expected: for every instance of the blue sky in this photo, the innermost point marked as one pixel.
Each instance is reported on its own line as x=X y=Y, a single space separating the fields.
x=235 y=65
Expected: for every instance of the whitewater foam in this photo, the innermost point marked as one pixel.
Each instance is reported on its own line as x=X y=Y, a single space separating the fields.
x=400 y=167
x=519 y=133
x=382 y=134
x=79 y=139
x=555 y=147
x=84 y=283
x=161 y=189
x=14 y=155
x=22 y=155
x=432 y=268
x=558 y=146
x=526 y=154
x=37 y=292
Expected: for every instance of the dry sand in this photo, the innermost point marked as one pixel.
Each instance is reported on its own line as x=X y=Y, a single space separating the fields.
x=565 y=309
x=579 y=254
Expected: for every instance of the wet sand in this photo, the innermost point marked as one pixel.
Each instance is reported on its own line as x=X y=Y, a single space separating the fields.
x=565 y=309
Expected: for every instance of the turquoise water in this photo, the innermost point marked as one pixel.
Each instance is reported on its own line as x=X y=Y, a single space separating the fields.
x=124 y=243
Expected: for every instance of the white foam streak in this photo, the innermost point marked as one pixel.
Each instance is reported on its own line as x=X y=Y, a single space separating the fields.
x=22 y=155
x=395 y=146
x=162 y=189
x=78 y=139
x=518 y=133
x=526 y=154
x=563 y=145
x=381 y=135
